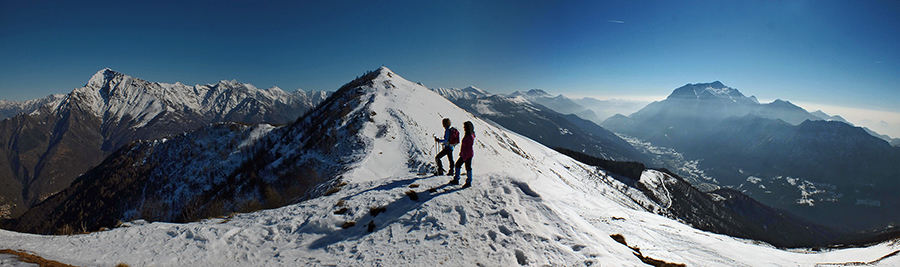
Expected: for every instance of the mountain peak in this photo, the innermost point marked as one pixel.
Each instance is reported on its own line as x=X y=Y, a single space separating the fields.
x=706 y=90
x=475 y=90
x=538 y=92
x=783 y=104
x=101 y=77
x=533 y=93
x=753 y=98
x=384 y=71
x=381 y=73
x=470 y=92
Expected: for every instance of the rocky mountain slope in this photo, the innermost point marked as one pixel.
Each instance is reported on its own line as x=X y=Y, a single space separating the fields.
x=46 y=149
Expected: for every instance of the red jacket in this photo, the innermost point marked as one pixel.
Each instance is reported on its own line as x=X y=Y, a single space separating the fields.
x=466 y=151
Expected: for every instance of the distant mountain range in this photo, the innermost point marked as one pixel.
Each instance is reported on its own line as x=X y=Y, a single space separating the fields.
x=884 y=126
x=551 y=128
x=778 y=153
x=587 y=108
x=49 y=142
x=12 y=108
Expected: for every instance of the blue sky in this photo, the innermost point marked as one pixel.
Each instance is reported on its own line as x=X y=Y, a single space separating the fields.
x=826 y=53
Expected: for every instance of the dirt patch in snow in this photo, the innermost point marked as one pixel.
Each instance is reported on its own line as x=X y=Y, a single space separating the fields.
x=645 y=259
x=31 y=258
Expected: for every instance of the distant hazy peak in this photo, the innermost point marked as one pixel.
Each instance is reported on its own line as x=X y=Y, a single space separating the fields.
x=820 y=113
x=531 y=93
x=753 y=98
x=780 y=102
x=476 y=90
x=825 y=116
x=538 y=92
x=717 y=84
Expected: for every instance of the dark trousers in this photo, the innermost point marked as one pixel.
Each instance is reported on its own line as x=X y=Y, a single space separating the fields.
x=468 y=163
x=449 y=153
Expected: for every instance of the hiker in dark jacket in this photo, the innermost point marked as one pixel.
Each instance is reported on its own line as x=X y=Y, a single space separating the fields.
x=465 y=154
x=447 y=147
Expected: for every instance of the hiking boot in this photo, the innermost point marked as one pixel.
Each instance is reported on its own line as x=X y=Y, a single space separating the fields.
x=455 y=177
x=450 y=173
x=468 y=179
x=439 y=172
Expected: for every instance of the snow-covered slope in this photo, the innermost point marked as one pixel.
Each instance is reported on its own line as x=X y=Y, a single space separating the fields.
x=529 y=206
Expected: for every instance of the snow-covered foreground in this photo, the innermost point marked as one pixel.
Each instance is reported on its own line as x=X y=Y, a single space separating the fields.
x=528 y=205
x=489 y=224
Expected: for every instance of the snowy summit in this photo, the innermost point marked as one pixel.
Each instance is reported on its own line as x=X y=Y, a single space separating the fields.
x=529 y=205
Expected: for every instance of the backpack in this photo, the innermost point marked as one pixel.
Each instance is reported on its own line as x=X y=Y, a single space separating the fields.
x=454 y=136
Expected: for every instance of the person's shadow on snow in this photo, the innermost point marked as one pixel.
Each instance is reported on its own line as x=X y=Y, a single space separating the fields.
x=380 y=217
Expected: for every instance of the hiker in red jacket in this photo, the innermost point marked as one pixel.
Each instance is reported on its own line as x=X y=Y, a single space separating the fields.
x=465 y=154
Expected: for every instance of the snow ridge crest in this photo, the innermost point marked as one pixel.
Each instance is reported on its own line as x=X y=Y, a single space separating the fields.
x=101 y=78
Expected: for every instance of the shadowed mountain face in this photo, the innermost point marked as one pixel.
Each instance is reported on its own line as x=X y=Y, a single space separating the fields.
x=826 y=171
x=49 y=146
x=545 y=125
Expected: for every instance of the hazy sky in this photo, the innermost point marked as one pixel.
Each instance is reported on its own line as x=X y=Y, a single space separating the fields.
x=827 y=53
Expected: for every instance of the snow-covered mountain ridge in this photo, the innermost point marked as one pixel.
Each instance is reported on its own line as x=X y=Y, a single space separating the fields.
x=113 y=96
x=12 y=108
x=48 y=146
x=470 y=92
x=529 y=205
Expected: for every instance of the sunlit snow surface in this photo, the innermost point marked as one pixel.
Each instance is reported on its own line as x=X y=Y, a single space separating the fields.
x=528 y=205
